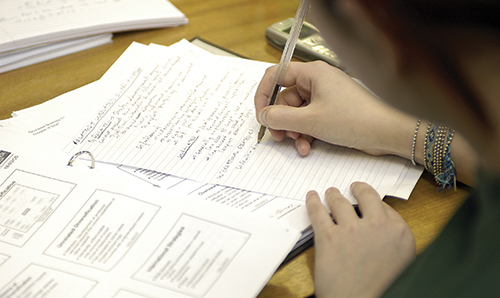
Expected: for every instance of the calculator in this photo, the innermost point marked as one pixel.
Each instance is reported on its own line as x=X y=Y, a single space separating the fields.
x=310 y=45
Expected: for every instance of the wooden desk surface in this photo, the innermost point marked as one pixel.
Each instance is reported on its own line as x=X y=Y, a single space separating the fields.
x=237 y=25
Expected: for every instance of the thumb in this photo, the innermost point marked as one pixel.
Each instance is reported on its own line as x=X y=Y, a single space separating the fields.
x=281 y=117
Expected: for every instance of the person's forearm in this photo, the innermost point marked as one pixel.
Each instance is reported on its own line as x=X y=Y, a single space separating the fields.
x=395 y=136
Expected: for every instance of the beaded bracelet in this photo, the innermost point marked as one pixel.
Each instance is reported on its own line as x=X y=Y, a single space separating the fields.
x=414 y=142
x=437 y=159
x=448 y=175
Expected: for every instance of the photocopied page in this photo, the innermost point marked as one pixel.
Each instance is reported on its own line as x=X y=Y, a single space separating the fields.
x=291 y=211
x=72 y=232
x=194 y=117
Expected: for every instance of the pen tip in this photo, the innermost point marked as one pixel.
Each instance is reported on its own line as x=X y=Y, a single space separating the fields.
x=262 y=131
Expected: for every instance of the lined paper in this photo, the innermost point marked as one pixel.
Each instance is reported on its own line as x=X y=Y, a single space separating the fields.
x=193 y=117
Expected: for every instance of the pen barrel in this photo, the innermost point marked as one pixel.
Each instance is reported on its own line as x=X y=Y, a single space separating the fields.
x=274 y=94
x=291 y=42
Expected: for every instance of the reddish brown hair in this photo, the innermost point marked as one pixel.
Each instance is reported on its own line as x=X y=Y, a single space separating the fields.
x=409 y=24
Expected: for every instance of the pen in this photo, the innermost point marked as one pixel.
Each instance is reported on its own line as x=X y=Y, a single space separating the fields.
x=290 y=44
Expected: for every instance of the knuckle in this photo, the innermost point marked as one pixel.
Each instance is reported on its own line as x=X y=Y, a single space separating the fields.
x=379 y=223
x=327 y=236
x=270 y=70
x=350 y=228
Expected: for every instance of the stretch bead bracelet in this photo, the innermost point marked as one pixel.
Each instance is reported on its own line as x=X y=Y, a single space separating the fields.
x=430 y=136
x=448 y=175
x=437 y=159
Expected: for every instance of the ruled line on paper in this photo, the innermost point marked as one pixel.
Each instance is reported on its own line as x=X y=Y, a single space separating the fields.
x=194 y=118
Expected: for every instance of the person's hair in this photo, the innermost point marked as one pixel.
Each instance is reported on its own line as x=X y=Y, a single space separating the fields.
x=410 y=23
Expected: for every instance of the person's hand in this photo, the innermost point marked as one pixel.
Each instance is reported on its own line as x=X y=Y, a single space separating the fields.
x=357 y=256
x=323 y=102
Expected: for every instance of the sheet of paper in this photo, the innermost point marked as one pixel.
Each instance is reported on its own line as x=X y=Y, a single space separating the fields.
x=28 y=23
x=17 y=59
x=291 y=211
x=407 y=180
x=288 y=210
x=72 y=232
x=194 y=117
x=51 y=114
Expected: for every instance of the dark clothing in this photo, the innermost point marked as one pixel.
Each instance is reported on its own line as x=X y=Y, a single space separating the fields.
x=464 y=260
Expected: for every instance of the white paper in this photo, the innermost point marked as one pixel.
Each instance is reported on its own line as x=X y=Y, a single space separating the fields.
x=28 y=23
x=18 y=59
x=53 y=115
x=72 y=232
x=56 y=116
x=291 y=211
x=194 y=117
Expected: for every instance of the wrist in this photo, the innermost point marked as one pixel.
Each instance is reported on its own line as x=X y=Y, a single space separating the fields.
x=394 y=135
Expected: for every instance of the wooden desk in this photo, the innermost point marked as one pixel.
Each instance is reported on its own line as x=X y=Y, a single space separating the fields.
x=237 y=25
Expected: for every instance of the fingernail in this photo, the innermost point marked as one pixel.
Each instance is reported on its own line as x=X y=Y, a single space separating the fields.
x=263 y=117
x=310 y=194
x=355 y=184
x=329 y=190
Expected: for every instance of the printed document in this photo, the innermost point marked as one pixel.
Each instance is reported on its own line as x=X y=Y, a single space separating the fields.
x=74 y=232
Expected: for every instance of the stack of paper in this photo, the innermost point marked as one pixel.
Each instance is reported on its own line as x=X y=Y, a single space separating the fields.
x=34 y=31
x=182 y=120
x=75 y=232
x=178 y=111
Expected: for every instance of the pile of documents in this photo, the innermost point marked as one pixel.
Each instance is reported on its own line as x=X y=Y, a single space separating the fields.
x=35 y=31
x=182 y=200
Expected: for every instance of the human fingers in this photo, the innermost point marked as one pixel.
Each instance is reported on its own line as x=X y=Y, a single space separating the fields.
x=298 y=73
x=303 y=144
x=291 y=97
x=341 y=209
x=263 y=92
x=288 y=97
x=279 y=135
x=318 y=214
x=281 y=117
x=292 y=134
x=369 y=201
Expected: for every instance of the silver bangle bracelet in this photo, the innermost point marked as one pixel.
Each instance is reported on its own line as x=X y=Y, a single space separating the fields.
x=414 y=143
